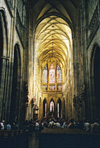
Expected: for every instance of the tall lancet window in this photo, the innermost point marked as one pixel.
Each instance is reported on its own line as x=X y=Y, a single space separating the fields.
x=51 y=74
x=45 y=74
x=59 y=74
x=51 y=106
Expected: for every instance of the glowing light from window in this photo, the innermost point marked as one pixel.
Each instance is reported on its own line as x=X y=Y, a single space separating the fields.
x=45 y=74
x=59 y=75
x=52 y=74
x=51 y=106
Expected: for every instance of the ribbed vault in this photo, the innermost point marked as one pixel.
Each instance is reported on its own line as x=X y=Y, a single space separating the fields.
x=53 y=26
x=53 y=37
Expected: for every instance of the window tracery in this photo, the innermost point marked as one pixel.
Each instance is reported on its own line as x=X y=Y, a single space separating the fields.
x=52 y=78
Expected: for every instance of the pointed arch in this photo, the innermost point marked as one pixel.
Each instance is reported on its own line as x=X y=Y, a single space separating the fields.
x=44 y=107
x=95 y=81
x=59 y=105
x=15 y=98
x=52 y=105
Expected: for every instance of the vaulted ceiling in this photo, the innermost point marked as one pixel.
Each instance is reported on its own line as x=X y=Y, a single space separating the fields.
x=53 y=39
x=53 y=21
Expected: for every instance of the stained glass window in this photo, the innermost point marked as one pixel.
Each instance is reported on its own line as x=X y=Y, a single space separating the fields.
x=52 y=78
x=59 y=75
x=45 y=74
x=52 y=74
x=51 y=106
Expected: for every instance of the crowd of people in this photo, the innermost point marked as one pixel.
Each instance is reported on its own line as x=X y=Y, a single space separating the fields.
x=8 y=126
x=93 y=126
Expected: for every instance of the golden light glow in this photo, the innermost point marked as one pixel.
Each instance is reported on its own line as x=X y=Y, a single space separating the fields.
x=53 y=44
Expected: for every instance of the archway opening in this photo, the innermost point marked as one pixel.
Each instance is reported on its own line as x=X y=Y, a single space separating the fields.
x=52 y=106
x=97 y=80
x=44 y=108
x=15 y=98
x=59 y=108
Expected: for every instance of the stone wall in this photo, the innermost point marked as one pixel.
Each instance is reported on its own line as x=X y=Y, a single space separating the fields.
x=14 y=32
x=89 y=22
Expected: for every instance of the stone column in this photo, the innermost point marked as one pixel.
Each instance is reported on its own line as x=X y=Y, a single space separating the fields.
x=3 y=85
x=6 y=97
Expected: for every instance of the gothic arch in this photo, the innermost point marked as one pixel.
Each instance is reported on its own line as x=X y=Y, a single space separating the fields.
x=95 y=81
x=16 y=84
x=54 y=14
x=52 y=106
x=44 y=107
x=59 y=107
